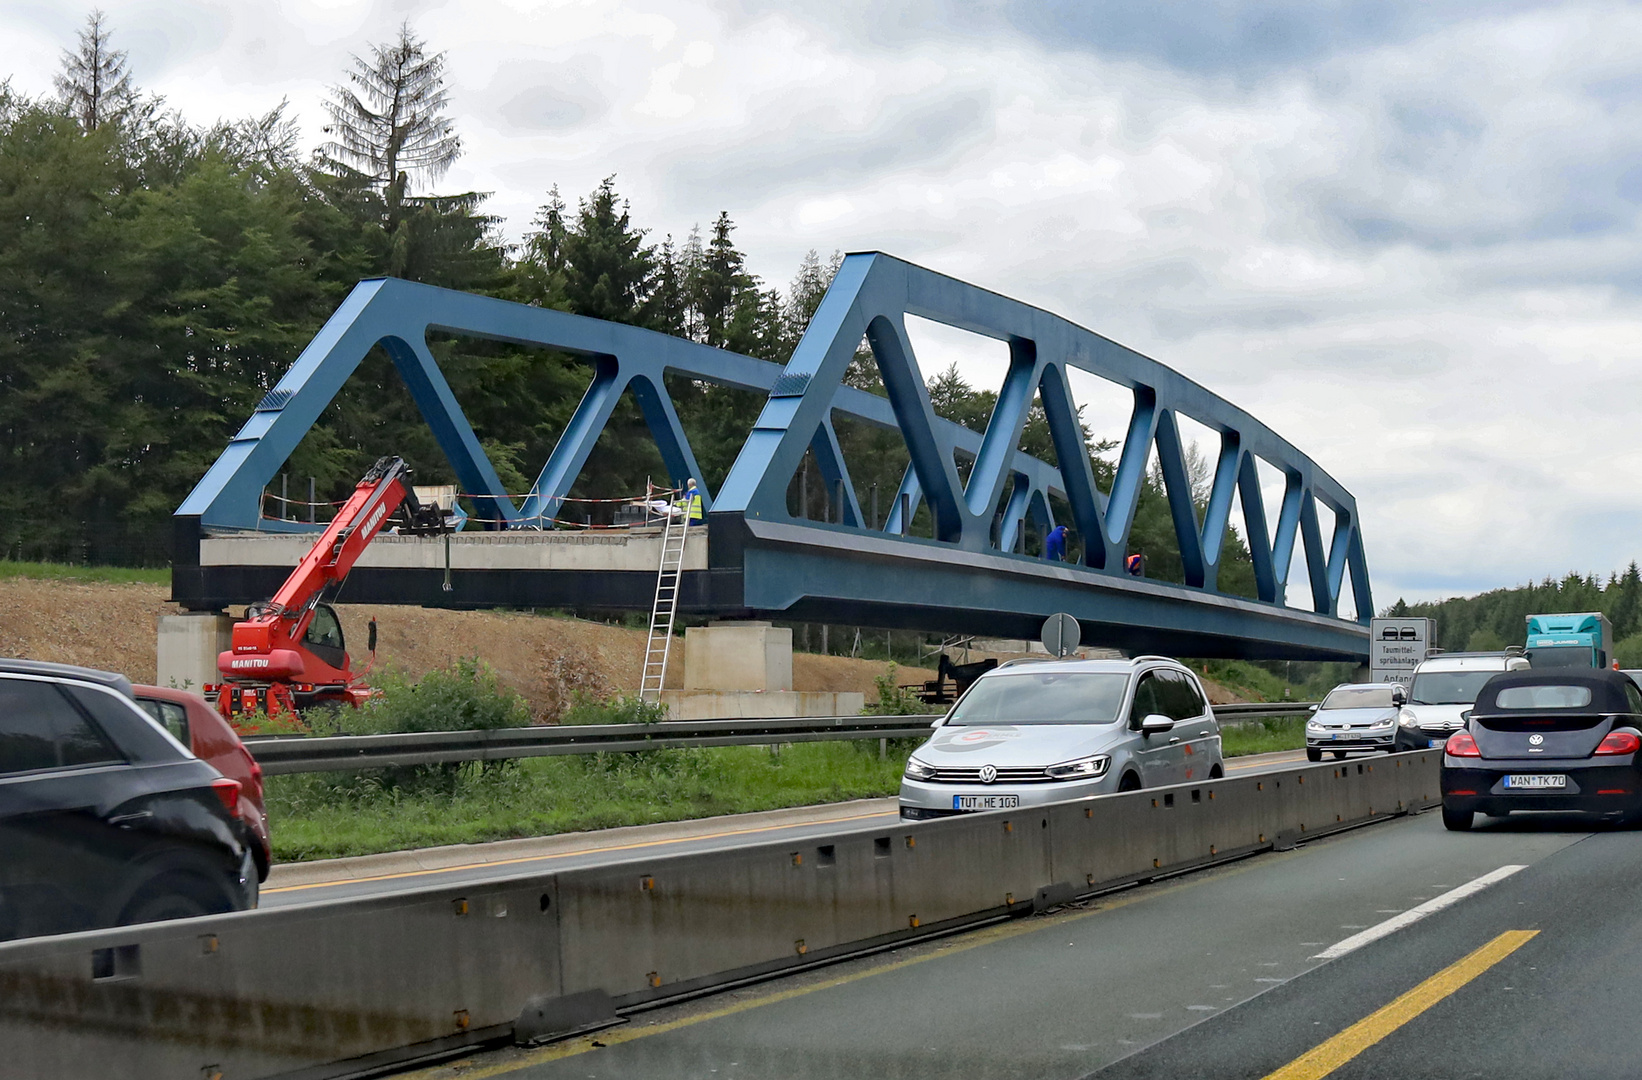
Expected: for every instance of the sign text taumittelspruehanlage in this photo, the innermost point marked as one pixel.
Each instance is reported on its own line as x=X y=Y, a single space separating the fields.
x=1396 y=646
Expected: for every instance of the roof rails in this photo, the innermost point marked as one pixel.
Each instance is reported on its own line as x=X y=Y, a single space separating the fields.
x=1150 y=656
x=1509 y=650
x=1026 y=660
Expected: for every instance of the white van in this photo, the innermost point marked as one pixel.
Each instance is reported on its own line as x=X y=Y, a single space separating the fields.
x=1442 y=691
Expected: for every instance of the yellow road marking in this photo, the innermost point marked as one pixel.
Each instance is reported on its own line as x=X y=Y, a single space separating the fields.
x=1325 y=1058
x=972 y=940
x=569 y=854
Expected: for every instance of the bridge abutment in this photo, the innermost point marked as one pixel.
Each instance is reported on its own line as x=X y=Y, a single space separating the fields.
x=186 y=649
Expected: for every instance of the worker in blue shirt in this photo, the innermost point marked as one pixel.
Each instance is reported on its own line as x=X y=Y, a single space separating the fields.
x=1054 y=545
x=692 y=502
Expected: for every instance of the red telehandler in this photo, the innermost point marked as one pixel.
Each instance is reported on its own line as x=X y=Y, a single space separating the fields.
x=288 y=654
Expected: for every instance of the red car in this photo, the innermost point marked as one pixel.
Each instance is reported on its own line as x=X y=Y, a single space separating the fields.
x=200 y=728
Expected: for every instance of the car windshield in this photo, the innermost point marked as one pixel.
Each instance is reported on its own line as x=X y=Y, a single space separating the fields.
x=1560 y=656
x=1359 y=697
x=1448 y=687
x=1042 y=697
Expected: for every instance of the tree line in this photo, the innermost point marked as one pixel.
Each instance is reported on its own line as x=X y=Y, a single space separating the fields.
x=1498 y=618
x=157 y=277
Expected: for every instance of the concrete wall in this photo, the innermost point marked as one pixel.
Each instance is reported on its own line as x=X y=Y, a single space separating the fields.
x=751 y=705
x=740 y=656
x=331 y=988
x=604 y=549
x=187 y=648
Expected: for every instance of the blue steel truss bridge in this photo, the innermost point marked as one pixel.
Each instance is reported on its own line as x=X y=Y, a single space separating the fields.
x=754 y=558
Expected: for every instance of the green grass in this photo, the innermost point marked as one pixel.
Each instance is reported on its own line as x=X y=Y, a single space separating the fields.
x=328 y=815
x=1263 y=736
x=121 y=575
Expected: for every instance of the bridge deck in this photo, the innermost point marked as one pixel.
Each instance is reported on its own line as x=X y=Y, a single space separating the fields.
x=744 y=568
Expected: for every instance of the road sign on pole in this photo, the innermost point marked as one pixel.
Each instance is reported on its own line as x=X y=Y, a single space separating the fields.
x=1396 y=647
x=1061 y=634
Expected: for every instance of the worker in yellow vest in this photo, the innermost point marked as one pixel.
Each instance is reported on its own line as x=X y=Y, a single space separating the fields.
x=691 y=503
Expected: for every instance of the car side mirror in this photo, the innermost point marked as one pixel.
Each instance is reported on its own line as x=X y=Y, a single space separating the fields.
x=1398 y=698
x=939 y=720
x=1312 y=709
x=1156 y=723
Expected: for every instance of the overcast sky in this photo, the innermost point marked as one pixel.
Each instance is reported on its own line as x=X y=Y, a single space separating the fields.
x=1405 y=235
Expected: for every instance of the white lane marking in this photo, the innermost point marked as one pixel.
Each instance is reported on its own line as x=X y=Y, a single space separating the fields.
x=1414 y=915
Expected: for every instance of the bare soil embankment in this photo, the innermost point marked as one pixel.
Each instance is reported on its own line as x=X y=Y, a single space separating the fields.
x=112 y=626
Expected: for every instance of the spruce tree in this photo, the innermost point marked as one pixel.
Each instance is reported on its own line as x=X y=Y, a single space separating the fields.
x=719 y=283
x=390 y=127
x=607 y=267
x=94 y=84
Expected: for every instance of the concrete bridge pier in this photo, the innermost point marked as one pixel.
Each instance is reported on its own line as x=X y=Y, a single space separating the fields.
x=186 y=649
x=743 y=670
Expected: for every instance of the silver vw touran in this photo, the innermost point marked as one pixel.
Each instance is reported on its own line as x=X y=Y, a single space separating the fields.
x=1033 y=732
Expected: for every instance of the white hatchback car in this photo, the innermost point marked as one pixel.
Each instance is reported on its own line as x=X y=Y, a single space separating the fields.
x=1046 y=731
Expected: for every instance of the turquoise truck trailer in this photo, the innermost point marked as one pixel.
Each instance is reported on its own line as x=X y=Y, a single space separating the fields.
x=1583 y=640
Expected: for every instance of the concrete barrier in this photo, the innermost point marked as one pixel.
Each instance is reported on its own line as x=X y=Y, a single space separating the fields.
x=334 y=989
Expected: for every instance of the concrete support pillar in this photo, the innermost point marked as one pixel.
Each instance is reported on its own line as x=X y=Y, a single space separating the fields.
x=187 y=648
x=738 y=656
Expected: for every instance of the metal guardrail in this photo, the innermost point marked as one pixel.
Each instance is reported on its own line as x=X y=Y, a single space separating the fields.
x=1251 y=709
x=341 y=988
x=285 y=754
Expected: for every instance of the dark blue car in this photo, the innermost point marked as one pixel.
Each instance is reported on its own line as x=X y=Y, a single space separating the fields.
x=1560 y=739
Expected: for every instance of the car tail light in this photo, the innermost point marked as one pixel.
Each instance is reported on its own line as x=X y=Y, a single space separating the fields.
x=228 y=794
x=1461 y=744
x=1619 y=742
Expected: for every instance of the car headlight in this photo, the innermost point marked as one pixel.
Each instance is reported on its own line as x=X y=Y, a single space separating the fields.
x=1380 y=724
x=1314 y=725
x=1408 y=719
x=917 y=770
x=1081 y=769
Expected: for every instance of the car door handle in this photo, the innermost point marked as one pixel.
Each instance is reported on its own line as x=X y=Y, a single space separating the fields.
x=1174 y=740
x=126 y=819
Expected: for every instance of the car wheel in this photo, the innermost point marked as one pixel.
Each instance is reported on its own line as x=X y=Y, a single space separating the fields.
x=1339 y=755
x=174 y=896
x=1130 y=782
x=1216 y=772
x=1313 y=754
x=1457 y=820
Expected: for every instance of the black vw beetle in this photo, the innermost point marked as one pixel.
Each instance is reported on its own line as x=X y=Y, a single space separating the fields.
x=1547 y=740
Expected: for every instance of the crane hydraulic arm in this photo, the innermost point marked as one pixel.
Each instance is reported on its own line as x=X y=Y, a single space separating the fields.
x=289 y=651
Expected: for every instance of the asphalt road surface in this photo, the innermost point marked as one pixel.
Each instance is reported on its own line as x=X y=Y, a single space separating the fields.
x=1212 y=974
x=1540 y=975
x=339 y=879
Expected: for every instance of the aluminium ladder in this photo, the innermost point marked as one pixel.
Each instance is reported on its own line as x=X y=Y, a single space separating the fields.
x=656 y=651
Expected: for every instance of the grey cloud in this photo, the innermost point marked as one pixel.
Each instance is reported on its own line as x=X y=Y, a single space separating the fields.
x=811 y=152
x=547 y=97
x=1245 y=40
